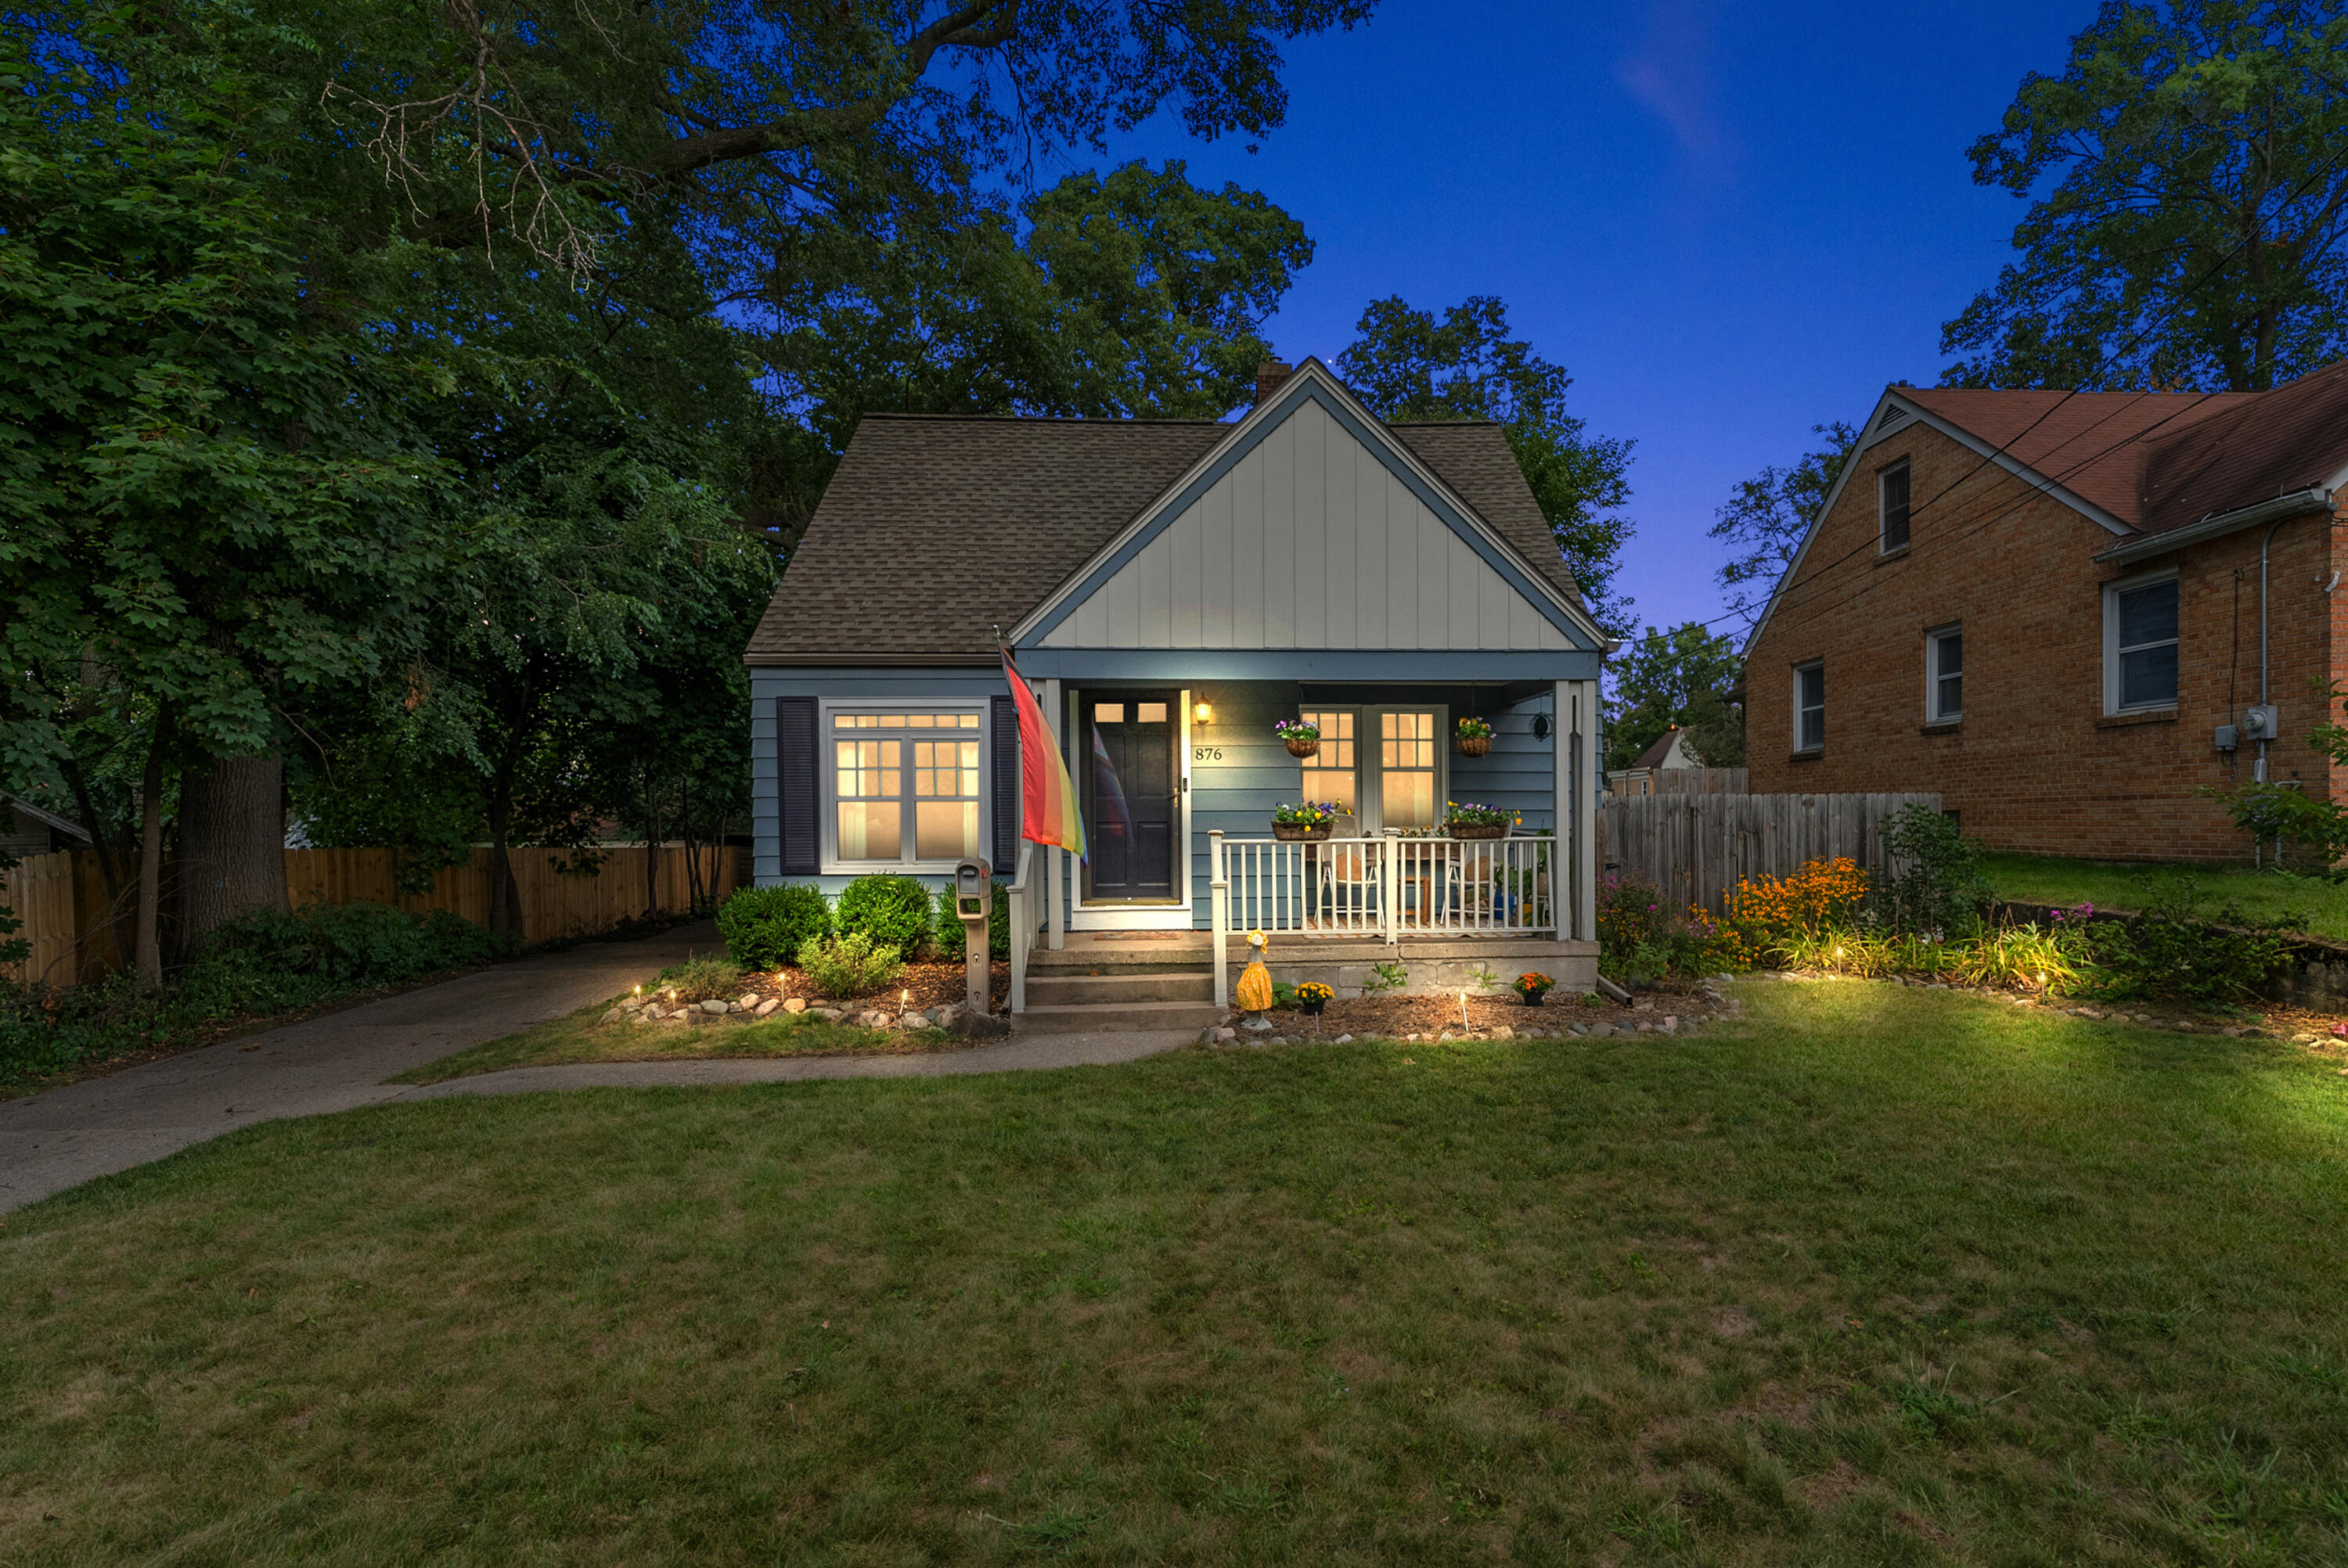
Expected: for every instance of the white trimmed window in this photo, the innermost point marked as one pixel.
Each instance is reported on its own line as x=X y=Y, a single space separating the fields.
x=1891 y=494
x=1810 y=706
x=1330 y=773
x=1409 y=755
x=906 y=786
x=2140 y=643
x=1396 y=783
x=1944 y=674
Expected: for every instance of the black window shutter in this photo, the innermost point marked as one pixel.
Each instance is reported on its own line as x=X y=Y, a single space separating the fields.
x=795 y=786
x=1006 y=787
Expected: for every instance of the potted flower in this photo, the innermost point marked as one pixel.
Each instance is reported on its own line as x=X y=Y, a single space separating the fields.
x=1475 y=737
x=1306 y=819
x=1466 y=819
x=1301 y=736
x=1532 y=987
x=1312 y=996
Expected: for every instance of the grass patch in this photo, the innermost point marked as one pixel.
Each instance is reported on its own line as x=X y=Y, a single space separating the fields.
x=2116 y=885
x=1882 y=1276
x=579 y=1037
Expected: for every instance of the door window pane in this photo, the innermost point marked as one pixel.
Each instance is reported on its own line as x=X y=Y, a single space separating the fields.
x=1330 y=774
x=1407 y=765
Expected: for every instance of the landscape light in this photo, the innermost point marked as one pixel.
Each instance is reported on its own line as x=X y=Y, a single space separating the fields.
x=1463 y=1009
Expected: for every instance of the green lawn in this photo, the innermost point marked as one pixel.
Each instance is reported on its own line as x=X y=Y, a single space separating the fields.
x=2114 y=885
x=583 y=1037
x=1879 y=1276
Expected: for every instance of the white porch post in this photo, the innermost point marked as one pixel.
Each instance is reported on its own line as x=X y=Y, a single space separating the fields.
x=1584 y=795
x=1055 y=910
x=1219 y=894
x=1564 y=897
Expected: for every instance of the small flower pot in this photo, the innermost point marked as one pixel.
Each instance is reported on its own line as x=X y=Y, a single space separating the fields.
x=1475 y=745
x=1478 y=829
x=1292 y=832
x=1312 y=1008
x=1532 y=998
x=1303 y=748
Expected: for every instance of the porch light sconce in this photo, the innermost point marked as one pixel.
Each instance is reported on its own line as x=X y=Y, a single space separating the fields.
x=1203 y=711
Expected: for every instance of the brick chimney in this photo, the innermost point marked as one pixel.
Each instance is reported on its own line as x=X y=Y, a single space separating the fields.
x=1268 y=377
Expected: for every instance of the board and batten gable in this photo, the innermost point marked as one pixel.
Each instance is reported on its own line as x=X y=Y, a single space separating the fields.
x=1308 y=540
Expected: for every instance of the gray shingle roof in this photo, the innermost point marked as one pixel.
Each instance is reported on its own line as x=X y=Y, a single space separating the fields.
x=935 y=529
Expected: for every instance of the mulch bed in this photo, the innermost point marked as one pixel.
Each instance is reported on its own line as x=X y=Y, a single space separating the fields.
x=932 y=985
x=1398 y=1016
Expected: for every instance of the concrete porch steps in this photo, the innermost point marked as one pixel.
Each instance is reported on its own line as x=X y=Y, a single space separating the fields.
x=1107 y=993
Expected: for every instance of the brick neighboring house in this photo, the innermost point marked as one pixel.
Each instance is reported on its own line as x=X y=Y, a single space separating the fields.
x=2046 y=607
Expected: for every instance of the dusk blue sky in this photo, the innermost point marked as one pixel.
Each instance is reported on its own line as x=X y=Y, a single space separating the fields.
x=1729 y=222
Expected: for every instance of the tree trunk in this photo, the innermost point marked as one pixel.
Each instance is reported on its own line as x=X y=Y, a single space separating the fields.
x=651 y=847
x=113 y=855
x=230 y=849
x=505 y=894
x=150 y=946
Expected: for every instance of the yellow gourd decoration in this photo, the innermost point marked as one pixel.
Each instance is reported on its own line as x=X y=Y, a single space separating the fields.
x=1255 y=981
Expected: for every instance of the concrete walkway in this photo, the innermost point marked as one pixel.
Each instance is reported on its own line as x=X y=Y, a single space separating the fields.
x=55 y=1140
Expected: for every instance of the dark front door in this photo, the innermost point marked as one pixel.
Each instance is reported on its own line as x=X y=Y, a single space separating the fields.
x=1132 y=800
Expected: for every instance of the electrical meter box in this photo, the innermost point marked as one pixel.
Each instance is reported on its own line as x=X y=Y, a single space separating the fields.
x=2261 y=723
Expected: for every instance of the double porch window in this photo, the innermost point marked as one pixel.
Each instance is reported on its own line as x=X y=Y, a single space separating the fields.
x=1406 y=746
x=906 y=786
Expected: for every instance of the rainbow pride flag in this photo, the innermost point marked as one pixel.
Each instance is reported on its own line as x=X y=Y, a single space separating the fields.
x=1049 y=813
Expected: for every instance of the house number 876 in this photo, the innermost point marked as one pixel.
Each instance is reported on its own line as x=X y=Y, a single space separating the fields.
x=1206 y=753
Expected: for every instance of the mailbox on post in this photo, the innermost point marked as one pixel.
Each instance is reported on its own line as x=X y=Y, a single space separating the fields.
x=974 y=903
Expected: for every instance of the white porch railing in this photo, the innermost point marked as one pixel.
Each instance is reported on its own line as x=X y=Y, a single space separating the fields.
x=1381 y=888
x=1022 y=894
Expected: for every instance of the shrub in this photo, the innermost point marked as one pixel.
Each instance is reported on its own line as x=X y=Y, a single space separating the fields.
x=1642 y=939
x=2175 y=949
x=702 y=979
x=887 y=910
x=953 y=944
x=1821 y=895
x=853 y=964
x=1942 y=891
x=763 y=927
x=261 y=963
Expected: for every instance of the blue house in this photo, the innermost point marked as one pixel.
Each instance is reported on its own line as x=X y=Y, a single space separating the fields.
x=1171 y=589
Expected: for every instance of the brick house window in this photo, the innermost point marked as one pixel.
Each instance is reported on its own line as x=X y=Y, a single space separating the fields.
x=1944 y=674
x=1891 y=488
x=1809 y=706
x=2140 y=644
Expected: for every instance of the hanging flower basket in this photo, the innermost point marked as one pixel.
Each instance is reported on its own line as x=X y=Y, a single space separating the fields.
x=1480 y=830
x=1302 y=736
x=1474 y=746
x=1302 y=748
x=1469 y=820
x=1311 y=833
x=1306 y=819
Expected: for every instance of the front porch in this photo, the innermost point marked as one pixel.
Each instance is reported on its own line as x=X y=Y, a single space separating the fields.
x=1430 y=964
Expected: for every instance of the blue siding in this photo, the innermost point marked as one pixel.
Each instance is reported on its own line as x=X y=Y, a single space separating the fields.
x=1238 y=792
x=1517 y=772
x=962 y=686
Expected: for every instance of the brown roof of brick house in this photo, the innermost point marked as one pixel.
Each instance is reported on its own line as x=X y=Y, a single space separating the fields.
x=937 y=528
x=2162 y=460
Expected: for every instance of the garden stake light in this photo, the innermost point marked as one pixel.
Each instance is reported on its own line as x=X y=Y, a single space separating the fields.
x=1463 y=1009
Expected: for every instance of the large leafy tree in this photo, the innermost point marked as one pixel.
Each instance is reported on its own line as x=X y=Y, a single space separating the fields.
x=1404 y=364
x=1769 y=515
x=2188 y=205
x=213 y=494
x=1688 y=676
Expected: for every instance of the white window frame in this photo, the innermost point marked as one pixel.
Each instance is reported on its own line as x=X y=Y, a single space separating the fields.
x=1807 y=664
x=1933 y=712
x=2112 y=591
x=1883 y=509
x=1369 y=760
x=832 y=865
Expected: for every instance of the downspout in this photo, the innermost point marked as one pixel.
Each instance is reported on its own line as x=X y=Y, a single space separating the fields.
x=2259 y=769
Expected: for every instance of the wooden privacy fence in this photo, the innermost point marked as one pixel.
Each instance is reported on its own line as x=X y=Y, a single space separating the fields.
x=1697 y=848
x=61 y=898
